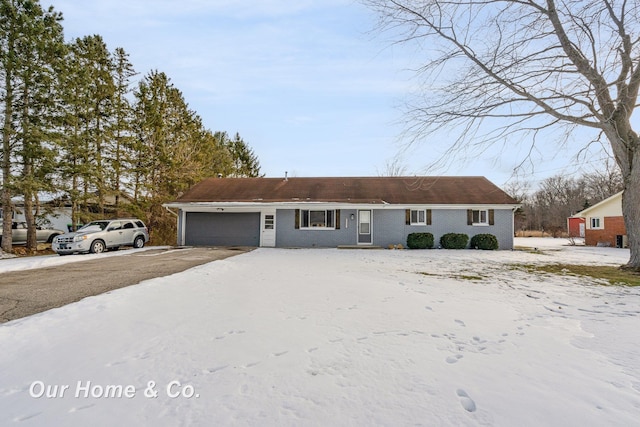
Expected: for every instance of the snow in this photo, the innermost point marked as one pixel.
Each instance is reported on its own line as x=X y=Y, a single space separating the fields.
x=319 y=337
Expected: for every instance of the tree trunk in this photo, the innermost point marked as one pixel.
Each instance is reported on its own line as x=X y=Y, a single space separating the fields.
x=625 y=144
x=631 y=212
x=32 y=243
x=7 y=207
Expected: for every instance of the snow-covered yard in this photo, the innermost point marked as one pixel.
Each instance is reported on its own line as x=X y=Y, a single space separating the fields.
x=328 y=337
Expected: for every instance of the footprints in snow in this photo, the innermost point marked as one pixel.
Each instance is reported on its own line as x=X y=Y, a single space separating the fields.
x=454 y=359
x=231 y=332
x=467 y=403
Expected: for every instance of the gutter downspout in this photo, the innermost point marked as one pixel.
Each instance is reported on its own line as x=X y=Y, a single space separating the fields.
x=513 y=226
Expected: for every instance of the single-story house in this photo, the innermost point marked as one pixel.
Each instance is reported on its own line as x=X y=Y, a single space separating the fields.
x=604 y=223
x=348 y=211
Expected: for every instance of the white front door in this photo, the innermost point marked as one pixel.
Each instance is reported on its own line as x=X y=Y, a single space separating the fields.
x=268 y=236
x=365 y=230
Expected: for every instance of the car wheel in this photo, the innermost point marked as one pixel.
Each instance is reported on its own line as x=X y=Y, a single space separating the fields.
x=50 y=239
x=97 y=247
x=139 y=242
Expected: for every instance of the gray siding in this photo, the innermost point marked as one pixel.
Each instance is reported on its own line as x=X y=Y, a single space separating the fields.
x=455 y=221
x=389 y=228
x=287 y=236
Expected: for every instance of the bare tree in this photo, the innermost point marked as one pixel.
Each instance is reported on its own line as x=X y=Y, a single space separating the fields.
x=558 y=198
x=394 y=167
x=602 y=183
x=502 y=70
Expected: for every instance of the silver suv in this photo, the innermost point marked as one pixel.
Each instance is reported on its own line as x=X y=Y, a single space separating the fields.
x=19 y=233
x=98 y=236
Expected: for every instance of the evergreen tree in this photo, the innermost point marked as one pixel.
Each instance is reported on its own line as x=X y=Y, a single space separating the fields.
x=245 y=162
x=89 y=92
x=123 y=118
x=34 y=42
x=168 y=146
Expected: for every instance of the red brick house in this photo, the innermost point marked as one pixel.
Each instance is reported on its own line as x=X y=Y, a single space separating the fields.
x=604 y=223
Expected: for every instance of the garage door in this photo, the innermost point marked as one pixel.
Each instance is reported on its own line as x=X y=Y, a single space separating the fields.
x=222 y=229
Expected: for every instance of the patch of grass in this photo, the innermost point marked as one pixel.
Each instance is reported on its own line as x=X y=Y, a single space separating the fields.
x=606 y=273
x=533 y=250
x=467 y=277
x=453 y=276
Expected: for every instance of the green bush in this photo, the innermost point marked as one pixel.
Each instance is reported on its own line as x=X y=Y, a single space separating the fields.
x=454 y=241
x=487 y=242
x=420 y=241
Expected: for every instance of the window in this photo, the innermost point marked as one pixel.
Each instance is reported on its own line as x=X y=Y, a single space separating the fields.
x=364 y=222
x=269 y=222
x=418 y=217
x=595 y=223
x=317 y=219
x=480 y=216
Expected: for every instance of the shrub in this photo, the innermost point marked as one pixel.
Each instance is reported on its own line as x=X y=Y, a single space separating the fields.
x=487 y=242
x=420 y=241
x=454 y=241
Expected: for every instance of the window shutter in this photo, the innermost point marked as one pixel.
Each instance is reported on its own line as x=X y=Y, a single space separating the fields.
x=337 y=219
x=297 y=224
x=469 y=217
x=491 y=216
x=407 y=216
x=428 y=216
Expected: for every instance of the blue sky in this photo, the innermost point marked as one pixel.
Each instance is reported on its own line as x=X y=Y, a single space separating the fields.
x=308 y=84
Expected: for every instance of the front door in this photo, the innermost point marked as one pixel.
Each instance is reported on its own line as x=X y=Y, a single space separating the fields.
x=268 y=229
x=365 y=229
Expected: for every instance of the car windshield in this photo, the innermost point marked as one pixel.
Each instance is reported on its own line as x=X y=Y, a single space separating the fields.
x=94 y=224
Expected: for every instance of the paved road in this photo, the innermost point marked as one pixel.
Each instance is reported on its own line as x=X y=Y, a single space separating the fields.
x=23 y=293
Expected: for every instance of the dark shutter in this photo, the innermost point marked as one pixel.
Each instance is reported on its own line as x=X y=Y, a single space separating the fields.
x=297 y=224
x=469 y=217
x=428 y=216
x=407 y=216
x=491 y=216
x=337 y=219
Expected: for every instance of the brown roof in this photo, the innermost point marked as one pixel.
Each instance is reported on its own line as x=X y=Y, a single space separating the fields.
x=446 y=190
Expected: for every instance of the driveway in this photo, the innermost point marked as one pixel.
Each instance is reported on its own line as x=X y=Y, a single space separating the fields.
x=23 y=293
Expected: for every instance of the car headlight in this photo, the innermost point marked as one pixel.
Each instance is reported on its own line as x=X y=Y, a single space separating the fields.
x=55 y=239
x=80 y=238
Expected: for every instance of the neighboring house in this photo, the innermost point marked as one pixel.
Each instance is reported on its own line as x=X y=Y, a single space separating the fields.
x=331 y=212
x=604 y=223
x=56 y=212
x=576 y=226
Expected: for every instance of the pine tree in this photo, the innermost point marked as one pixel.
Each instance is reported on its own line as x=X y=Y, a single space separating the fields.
x=89 y=92
x=245 y=162
x=34 y=43
x=123 y=117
